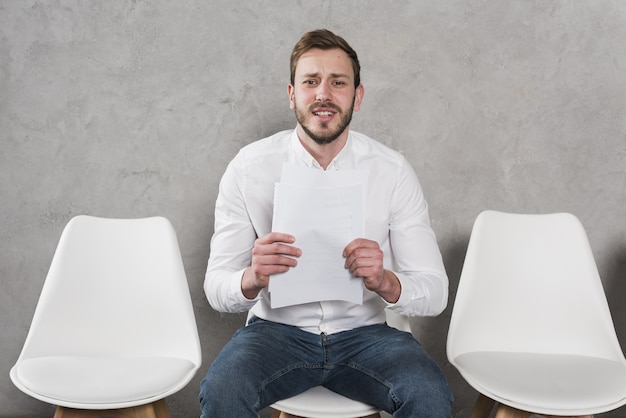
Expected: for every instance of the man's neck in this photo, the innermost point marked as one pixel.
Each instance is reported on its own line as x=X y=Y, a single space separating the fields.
x=323 y=153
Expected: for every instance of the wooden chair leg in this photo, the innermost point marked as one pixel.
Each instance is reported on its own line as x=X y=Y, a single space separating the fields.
x=156 y=409
x=578 y=416
x=161 y=410
x=505 y=411
x=482 y=407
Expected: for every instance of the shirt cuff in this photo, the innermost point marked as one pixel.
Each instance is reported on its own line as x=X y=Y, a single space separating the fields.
x=408 y=292
x=236 y=295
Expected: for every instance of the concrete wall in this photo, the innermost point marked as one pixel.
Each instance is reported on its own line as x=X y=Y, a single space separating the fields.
x=133 y=108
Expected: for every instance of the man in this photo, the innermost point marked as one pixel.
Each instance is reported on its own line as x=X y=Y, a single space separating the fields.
x=344 y=346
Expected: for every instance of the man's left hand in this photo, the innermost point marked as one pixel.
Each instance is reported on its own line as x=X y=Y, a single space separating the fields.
x=364 y=258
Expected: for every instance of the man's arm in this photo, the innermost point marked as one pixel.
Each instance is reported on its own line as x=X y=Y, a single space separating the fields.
x=417 y=261
x=231 y=245
x=240 y=263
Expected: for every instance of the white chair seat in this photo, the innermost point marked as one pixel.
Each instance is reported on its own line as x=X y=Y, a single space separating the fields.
x=546 y=383
x=319 y=402
x=100 y=380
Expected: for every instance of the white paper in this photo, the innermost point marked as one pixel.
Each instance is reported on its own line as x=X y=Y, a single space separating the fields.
x=324 y=211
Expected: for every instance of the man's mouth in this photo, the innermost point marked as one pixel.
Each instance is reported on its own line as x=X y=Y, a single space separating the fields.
x=326 y=110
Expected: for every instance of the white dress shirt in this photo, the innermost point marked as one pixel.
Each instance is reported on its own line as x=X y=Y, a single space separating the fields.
x=396 y=218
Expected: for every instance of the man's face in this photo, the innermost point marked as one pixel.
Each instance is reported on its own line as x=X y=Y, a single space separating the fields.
x=323 y=95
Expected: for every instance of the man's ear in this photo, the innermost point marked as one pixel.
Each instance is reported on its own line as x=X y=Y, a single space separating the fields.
x=292 y=97
x=358 y=97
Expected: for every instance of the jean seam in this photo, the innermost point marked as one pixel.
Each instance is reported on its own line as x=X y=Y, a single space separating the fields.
x=286 y=371
x=355 y=366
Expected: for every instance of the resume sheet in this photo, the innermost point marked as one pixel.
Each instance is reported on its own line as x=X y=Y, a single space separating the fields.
x=324 y=211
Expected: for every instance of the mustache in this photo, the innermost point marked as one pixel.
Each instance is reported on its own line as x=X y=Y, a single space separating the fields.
x=331 y=106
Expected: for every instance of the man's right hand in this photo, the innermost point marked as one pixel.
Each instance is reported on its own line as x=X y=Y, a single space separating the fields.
x=272 y=253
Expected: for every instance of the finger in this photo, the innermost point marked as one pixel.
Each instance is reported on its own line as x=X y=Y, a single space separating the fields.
x=278 y=260
x=359 y=243
x=271 y=269
x=271 y=249
x=362 y=265
x=272 y=264
x=268 y=244
x=362 y=254
x=273 y=237
x=288 y=250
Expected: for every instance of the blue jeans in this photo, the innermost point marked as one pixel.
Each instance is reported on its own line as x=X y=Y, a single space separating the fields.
x=379 y=365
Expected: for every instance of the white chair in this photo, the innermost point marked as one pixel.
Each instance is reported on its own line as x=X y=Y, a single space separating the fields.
x=531 y=327
x=319 y=402
x=114 y=330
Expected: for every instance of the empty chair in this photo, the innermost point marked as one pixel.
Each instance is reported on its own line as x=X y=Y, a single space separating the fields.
x=531 y=327
x=319 y=402
x=114 y=328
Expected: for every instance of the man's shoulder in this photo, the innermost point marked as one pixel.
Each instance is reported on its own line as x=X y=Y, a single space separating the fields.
x=269 y=144
x=263 y=153
x=366 y=145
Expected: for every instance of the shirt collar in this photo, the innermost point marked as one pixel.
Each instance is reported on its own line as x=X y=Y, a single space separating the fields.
x=307 y=159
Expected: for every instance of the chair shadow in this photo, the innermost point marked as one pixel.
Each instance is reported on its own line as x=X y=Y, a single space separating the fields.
x=432 y=333
x=614 y=279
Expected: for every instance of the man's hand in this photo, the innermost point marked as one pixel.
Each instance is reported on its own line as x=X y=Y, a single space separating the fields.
x=271 y=254
x=364 y=258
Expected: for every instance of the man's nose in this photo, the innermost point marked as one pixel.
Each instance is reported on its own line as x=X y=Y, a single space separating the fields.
x=323 y=93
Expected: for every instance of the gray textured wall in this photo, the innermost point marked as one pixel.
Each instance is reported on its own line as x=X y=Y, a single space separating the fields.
x=133 y=108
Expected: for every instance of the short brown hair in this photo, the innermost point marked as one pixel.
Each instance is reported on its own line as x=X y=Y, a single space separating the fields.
x=324 y=39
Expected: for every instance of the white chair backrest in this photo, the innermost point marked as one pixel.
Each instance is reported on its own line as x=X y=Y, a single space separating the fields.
x=530 y=284
x=115 y=287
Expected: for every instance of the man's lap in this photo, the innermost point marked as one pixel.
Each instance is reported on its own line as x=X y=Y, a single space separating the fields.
x=375 y=364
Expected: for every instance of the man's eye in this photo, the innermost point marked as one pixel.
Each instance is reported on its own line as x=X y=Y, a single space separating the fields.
x=310 y=82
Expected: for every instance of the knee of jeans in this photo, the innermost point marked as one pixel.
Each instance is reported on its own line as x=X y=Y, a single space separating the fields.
x=436 y=402
x=202 y=392
x=434 y=390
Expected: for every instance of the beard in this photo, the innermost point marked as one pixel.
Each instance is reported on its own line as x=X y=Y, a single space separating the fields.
x=324 y=134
